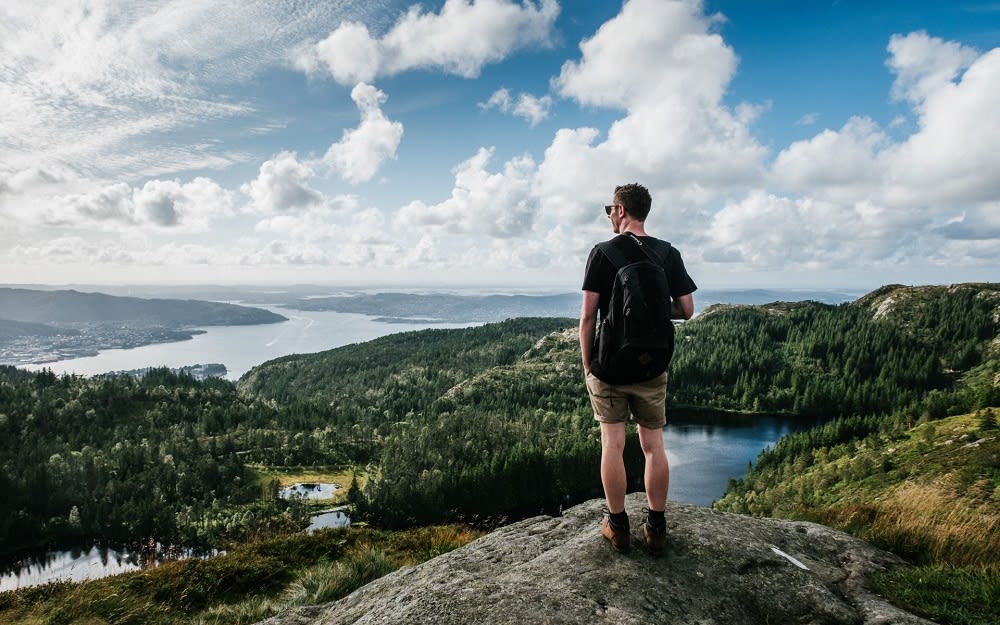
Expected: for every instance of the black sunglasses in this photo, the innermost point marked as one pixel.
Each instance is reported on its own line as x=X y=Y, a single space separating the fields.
x=608 y=208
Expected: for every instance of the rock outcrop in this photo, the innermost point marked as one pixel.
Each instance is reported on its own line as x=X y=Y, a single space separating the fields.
x=718 y=568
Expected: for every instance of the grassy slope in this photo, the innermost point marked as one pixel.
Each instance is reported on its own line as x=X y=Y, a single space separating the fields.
x=937 y=485
x=930 y=493
x=246 y=585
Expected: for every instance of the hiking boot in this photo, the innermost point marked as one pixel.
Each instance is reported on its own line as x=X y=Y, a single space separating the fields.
x=656 y=539
x=618 y=538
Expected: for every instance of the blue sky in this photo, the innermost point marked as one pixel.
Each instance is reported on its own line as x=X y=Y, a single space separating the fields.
x=841 y=144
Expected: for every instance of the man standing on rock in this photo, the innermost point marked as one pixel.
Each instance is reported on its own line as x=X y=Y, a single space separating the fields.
x=637 y=283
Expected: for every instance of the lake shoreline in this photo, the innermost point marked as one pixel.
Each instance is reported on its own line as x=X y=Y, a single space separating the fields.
x=703 y=458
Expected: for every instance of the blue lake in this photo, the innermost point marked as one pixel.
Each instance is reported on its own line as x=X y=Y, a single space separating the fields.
x=705 y=456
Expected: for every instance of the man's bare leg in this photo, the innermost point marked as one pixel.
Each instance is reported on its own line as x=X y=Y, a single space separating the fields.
x=657 y=474
x=613 y=465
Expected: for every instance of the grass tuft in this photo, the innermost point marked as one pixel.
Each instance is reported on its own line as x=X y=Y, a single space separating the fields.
x=331 y=581
x=925 y=523
x=953 y=596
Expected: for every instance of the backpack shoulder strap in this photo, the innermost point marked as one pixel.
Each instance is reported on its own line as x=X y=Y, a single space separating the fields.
x=657 y=257
x=613 y=254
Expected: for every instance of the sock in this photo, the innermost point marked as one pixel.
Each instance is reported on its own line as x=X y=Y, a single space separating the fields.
x=619 y=520
x=655 y=519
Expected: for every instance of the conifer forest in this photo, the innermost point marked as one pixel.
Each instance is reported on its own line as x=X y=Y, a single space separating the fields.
x=481 y=425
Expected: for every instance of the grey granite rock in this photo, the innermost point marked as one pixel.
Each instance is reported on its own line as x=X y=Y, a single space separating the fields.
x=718 y=568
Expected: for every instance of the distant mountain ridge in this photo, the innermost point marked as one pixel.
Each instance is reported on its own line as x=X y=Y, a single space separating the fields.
x=458 y=305
x=452 y=307
x=446 y=307
x=75 y=307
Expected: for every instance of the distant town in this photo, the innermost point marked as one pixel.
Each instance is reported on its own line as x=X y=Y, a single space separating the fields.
x=38 y=326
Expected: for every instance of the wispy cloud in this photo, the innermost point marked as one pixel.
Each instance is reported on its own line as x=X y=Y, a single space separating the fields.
x=102 y=86
x=527 y=106
x=986 y=7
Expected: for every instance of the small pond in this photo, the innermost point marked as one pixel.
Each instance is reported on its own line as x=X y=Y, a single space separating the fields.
x=310 y=490
x=92 y=562
x=333 y=518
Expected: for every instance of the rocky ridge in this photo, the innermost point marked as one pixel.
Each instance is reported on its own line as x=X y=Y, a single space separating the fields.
x=718 y=568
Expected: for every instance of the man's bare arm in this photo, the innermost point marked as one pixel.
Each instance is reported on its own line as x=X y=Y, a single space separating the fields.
x=588 y=325
x=682 y=307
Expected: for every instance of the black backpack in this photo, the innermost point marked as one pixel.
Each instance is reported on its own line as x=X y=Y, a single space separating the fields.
x=635 y=341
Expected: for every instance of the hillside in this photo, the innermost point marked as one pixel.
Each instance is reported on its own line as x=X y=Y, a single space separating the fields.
x=102 y=445
x=931 y=348
x=930 y=493
x=801 y=358
x=936 y=483
x=12 y=329
x=418 y=392
x=411 y=368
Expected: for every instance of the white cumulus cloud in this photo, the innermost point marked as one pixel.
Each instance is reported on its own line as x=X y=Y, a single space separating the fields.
x=195 y=204
x=938 y=183
x=167 y=204
x=362 y=150
x=766 y=231
x=463 y=37
x=952 y=157
x=283 y=185
x=844 y=161
x=924 y=65
x=663 y=65
x=495 y=204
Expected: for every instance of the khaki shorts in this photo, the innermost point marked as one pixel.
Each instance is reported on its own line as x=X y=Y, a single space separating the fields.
x=646 y=401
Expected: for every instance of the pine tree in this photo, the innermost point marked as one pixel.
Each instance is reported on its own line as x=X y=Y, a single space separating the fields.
x=987 y=420
x=354 y=495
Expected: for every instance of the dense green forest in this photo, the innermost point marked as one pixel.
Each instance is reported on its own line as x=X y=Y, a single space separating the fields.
x=166 y=456
x=125 y=460
x=481 y=424
x=930 y=348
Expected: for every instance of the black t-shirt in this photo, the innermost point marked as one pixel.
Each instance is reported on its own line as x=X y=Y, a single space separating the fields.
x=600 y=273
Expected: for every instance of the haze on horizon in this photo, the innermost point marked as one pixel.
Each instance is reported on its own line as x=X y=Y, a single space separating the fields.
x=460 y=143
